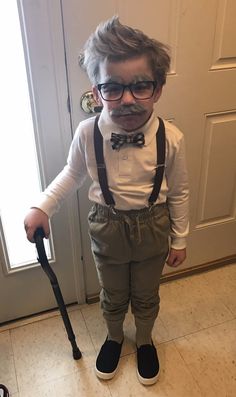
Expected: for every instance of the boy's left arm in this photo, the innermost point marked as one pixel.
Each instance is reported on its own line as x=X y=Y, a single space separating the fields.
x=178 y=200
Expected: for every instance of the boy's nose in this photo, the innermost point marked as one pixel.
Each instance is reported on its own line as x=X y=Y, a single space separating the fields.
x=127 y=96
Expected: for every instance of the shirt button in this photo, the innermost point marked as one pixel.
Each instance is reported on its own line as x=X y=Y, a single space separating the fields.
x=124 y=157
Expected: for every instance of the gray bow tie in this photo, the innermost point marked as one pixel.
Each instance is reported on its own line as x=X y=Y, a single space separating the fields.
x=118 y=140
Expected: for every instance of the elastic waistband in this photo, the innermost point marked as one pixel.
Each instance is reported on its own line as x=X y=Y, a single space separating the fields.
x=143 y=213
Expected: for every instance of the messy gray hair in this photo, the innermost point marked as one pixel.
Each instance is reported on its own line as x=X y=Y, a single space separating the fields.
x=114 y=42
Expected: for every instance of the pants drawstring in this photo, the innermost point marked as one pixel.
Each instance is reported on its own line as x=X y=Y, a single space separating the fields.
x=132 y=226
x=139 y=239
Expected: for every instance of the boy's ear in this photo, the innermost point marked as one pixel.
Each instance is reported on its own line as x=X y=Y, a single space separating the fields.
x=96 y=95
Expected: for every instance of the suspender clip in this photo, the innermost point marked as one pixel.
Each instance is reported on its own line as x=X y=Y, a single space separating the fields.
x=112 y=208
x=150 y=205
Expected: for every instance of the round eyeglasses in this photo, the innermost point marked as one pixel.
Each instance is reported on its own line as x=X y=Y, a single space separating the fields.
x=114 y=91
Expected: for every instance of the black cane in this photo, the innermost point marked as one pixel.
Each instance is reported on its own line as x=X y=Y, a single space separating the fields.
x=43 y=260
x=4 y=390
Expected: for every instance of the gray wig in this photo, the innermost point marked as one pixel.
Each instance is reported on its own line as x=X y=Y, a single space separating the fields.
x=114 y=42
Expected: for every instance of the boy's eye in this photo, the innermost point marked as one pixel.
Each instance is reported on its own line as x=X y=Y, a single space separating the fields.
x=143 y=85
x=106 y=88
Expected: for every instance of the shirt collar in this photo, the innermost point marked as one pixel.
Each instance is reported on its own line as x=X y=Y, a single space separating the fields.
x=107 y=126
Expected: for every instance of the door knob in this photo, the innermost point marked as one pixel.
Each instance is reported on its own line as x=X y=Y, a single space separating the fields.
x=88 y=103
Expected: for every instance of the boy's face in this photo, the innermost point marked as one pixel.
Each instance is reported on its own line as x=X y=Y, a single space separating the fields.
x=127 y=112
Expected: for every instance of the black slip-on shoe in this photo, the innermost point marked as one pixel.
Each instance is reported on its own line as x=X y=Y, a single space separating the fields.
x=148 y=364
x=108 y=359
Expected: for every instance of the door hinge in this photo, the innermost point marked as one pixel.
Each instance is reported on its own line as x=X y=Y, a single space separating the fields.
x=68 y=104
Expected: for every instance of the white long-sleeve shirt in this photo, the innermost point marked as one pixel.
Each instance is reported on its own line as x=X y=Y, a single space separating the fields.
x=130 y=173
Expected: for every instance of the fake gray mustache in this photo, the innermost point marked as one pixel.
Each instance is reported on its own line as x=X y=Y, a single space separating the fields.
x=127 y=110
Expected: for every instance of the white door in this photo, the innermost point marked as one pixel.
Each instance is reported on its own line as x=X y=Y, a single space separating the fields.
x=24 y=288
x=199 y=98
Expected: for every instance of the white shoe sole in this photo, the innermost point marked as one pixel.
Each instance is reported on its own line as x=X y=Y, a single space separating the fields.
x=147 y=381
x=105 y=375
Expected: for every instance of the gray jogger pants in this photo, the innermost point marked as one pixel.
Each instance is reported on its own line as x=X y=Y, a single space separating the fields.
x=129 y=249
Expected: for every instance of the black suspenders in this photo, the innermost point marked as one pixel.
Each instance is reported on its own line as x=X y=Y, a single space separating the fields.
x=161 y=154
x=101 y=167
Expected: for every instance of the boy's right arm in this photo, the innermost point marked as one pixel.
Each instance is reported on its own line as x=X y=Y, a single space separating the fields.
x=34 y=219
x=67 y=181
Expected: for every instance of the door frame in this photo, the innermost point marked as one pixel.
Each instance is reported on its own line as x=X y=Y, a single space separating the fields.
x=43 y=40
x=52 y=51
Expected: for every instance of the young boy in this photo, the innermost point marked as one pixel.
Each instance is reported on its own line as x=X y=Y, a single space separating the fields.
x=139 y=187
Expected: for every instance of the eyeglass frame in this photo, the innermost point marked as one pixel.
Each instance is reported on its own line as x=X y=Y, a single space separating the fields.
x=129 y=86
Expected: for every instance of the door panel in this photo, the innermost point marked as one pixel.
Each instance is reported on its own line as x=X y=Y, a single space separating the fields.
x=199 y=98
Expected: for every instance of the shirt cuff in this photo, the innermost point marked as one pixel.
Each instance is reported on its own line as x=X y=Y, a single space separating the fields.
x=46 y=204
x=178 y=243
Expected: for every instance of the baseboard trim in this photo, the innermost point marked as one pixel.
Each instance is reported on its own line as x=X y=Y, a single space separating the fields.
x=90 y=299
x=229 y=260
x=34 y=317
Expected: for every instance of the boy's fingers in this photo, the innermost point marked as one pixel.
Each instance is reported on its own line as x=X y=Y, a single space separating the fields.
x=46 y=230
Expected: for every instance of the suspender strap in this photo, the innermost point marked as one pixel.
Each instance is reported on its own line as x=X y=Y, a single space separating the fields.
x=161 y=153
x=101 y=167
